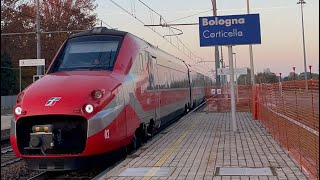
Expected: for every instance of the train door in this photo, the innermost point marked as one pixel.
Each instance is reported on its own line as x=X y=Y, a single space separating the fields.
x=155 y=86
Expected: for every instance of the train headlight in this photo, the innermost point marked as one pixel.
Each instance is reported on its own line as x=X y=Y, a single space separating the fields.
x=88 y=108
x=97 y=94
x=18 y=110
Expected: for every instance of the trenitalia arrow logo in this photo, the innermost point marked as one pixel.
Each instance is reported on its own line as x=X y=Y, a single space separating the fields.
x=52 y=101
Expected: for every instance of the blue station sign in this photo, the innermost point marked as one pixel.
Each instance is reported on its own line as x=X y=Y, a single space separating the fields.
x=230 y=30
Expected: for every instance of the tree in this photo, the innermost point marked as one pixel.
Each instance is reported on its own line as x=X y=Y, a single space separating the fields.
x=245 y=79
x=16 y=17
x=266 y=78
x=291 y=77
x=19 y=16
x=314 y=76
x=64 y=15
x=9 y=84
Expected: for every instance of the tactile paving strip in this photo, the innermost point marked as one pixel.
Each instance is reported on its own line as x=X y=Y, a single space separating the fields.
x=143 y=171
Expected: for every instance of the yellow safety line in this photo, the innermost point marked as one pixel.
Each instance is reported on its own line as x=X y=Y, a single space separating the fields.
x=161 y=161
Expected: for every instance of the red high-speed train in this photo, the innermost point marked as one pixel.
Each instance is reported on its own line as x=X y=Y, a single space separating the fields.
x=104 y=90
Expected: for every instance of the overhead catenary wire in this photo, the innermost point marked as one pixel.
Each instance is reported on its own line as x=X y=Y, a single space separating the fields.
x=169 y=28
x=185 y=17
x=140 y=21
x=176 y=35
x=189 y=54
x=127 y=11
x=47 y=32
x=62 y=31
x=119 y=6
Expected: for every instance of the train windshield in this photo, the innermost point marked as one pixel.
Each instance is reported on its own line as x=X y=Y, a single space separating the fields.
x=89 y=53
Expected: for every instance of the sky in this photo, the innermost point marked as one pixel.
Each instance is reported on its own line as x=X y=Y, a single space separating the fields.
x=281 y=31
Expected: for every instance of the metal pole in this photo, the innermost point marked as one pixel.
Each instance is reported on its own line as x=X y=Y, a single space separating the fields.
x=225 y=77
x=233 y=101
x=245 y=80
x=310 y=71
x=279 y=81
x=20 y=76
x=39 y=68
x=301 y=2
x=216 y=52
x=235 y=66
x=250 y=52
x=280 y=85
x=222 y=77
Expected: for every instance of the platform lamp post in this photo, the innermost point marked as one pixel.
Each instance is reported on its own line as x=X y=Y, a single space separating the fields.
x=280 y=77
x=216 y=48
x=222 y=78
x=310 y=71
x=294 y=73
x=251 y=52
x=39 y=68
x=235 y=66
x=280 y=85
x=301 y=2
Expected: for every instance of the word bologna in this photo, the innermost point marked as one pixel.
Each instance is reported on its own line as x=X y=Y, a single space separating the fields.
x=226 y=22
x=222 y=22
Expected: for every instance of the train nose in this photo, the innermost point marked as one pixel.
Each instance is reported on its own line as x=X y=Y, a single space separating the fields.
x=66 y=94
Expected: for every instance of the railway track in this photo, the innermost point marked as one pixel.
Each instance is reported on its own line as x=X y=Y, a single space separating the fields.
x=5 y=137
x=45 y=175
x=8 y=157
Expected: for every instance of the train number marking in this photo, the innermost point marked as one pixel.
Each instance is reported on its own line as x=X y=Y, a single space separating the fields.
x=106 y=134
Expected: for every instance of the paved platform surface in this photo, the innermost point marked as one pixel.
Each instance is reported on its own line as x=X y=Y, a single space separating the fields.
x=200 y=143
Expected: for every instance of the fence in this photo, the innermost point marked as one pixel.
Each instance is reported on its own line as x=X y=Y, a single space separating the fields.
x=221 y=100
x=291 y=114
x=8 y=101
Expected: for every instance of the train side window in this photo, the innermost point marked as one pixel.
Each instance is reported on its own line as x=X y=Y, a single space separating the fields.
x=141 y=59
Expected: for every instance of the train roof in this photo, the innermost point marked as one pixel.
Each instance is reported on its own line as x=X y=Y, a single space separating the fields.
x=100 y=31
x=106 y=31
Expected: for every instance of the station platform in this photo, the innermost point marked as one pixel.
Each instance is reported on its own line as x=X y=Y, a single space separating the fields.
x=202 y=145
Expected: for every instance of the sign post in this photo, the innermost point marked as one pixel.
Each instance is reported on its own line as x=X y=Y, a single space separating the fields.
x=229 y=31
x=233 y=100
x=30 y=62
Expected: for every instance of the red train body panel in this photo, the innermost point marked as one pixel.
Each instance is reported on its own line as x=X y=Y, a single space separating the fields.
x=103 y=90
